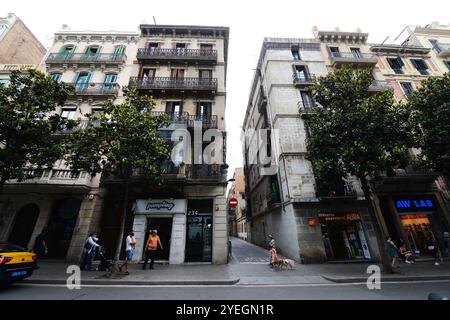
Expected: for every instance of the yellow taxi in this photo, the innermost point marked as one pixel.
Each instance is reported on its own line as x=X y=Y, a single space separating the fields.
x=15 y=263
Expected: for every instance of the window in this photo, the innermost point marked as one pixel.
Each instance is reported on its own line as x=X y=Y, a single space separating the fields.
x=151 y=46
x=295 y=53
x=396 y=64
x=203 y=110
x=92 y=52
x=435 y=45
x=3 y=28
x=356 y=52
x=301 y=73
x=96 y=112
x=82 y=81
x=174 y=108
x=67 y=51
x=206 y=47
x=110 y=82
x=180 y=48
x=119 y=51
x=447 y=64
x=420 y=65
x=4 y=81
x=68 y=113
x=205 y=74
x=56 y=76
x=177 y=73
x=334 y=51
x=307 y=100
x=407 y=87
x=148 y=73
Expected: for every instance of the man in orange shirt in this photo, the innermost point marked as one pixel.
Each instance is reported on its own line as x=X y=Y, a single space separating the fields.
x=152 y=246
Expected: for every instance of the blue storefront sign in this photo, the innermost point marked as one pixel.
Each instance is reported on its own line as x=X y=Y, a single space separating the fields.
x=414 y=204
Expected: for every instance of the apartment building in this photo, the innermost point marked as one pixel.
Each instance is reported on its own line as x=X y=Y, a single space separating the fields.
x=413 y=205
x=307 y=217
x=184 y=69
x=70 y=205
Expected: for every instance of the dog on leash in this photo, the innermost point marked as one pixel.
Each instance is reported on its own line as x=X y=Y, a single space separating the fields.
x=284 y=264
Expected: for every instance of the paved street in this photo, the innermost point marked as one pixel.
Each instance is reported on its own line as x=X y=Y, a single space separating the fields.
x=394 y=291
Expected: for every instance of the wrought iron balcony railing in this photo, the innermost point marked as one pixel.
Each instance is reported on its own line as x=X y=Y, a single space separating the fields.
x=175 y=54
x=57 y=176
x=85 y=58
x=355 y=58
x=343 y=190
x=208 y=121
x=167 y=83
x=301 y=78
x=203 y=172
x=95 y=88
x=83 y=124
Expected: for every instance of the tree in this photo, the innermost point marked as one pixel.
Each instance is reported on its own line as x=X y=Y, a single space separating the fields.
x=28 y=123
x=357 y=132
x=431 y=108
x=123 y=139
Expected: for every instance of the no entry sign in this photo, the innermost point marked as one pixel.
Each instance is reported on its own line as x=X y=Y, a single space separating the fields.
x=232 y=203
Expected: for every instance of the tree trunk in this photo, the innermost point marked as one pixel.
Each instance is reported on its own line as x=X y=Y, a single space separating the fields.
x=122 y=224
x=385 y=260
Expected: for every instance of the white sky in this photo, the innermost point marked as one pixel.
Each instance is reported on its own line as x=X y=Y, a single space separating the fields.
x=249 y=21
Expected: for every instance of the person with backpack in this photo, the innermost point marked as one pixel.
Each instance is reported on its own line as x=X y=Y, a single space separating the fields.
x=90 y=247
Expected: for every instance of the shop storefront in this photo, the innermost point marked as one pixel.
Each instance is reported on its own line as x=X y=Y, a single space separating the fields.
x=199 y=230
x=419 y=222
x=343 y=236
x=168 y=216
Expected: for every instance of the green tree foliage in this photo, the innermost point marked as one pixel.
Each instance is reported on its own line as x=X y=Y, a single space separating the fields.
x=122 y=142
x=358 y=132
x=28 y=123
x=431 y=109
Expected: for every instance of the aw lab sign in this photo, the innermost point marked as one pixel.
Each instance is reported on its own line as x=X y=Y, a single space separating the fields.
x=414 y=204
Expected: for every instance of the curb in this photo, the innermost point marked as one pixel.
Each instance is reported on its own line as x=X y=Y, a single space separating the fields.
x=135 y=282
x=386 y=278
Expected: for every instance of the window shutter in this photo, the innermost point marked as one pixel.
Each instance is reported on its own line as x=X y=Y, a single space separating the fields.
x=414 y=62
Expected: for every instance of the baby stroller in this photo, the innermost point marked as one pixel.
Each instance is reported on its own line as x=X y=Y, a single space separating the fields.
x=105 y=264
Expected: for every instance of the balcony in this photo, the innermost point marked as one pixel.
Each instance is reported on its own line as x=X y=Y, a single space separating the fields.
x=378 y=85
x=204 y=172
x=208 y=121
x=305 y=107
x=65 y=177
x=177 y=55
x=82 y=58
x=353 y=59
x=164 y=85
x=302 y=79
x=107 y=90
x=442 y=49
x=83 y=124
x=339 y=191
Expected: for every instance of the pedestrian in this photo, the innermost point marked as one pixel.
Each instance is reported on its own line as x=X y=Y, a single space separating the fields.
x=152 y=246
x=392 y=251
x=407 y=255
x=433 y=249
x=129 y=251
x=90 y=247
x=40 y=246
x=271 y=246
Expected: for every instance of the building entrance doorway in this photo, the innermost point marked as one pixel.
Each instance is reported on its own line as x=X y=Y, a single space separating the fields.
x=24 y=225
x=164 y=228
x=61 y=226
x=199 y=238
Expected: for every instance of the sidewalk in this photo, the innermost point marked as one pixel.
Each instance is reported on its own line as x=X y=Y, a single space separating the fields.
x=163 y=274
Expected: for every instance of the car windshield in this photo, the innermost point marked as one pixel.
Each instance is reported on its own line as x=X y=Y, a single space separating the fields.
x=7 y=247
